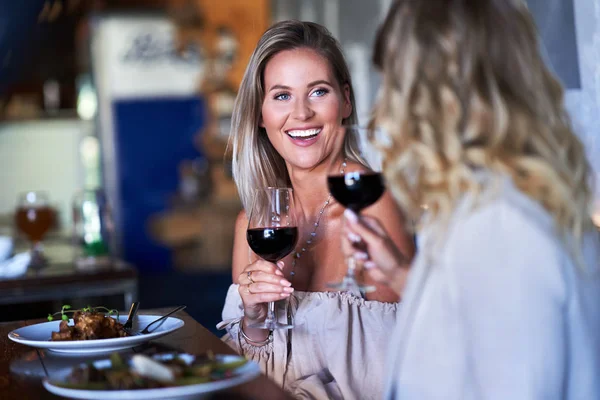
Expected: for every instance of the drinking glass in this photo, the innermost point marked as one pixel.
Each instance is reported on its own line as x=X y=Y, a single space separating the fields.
x=272 y=234
x=34 y=217
x=356 y=188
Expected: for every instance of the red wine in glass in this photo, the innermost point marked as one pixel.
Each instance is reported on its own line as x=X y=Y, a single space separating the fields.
x=356 y=190
x=272 y=244
x=272 y=234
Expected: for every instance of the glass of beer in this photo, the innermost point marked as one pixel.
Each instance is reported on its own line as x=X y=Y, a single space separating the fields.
x=34 y=217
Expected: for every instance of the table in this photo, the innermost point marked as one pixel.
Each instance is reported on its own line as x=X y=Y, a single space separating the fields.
x=63 y=281
x=21 y=369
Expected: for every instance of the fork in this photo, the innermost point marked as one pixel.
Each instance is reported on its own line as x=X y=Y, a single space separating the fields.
x=146 y=330
x=132 y=311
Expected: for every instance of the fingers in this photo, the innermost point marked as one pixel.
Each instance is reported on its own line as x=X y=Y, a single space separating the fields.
x=364 y=238
x=375 y=273
x=374 y=224
x=368 y=222
x=252 y=294
x=262 y=287
x=262 y=271
x=249 y=277
x=262 y=281
x=366 y=228
x=348 y=244
x=353 y=245
x=373 y=243
x=396 y=280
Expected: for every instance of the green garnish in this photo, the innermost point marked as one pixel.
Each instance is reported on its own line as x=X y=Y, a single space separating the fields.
x=66 y=309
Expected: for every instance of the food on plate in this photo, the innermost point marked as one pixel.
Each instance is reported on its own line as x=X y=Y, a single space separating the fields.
x=89 y=323
x=144 y=372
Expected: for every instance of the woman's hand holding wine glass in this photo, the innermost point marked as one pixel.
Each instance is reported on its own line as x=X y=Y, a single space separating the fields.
x=384 y=262
x=262 y=282
x=272 y=234
x=356 y=188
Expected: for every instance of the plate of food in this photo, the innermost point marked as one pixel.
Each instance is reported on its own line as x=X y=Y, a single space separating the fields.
x=91 y=330
x=152 y=377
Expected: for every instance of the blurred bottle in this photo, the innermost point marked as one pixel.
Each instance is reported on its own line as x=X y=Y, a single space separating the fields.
x=92 y=228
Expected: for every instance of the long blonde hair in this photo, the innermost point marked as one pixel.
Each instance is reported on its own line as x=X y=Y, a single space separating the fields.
x=256 y=163
x=465 y=88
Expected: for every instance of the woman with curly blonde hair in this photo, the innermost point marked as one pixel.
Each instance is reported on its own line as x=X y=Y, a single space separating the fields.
x=503 y=297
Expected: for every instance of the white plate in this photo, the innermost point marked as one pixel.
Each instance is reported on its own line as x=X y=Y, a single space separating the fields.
x=39 y=335
x=243 y=374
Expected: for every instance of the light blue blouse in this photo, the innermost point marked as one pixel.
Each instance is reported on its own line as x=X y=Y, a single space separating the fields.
x=495 y=308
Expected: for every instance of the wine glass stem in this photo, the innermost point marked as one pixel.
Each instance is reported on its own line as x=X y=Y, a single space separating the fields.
x=36 y=247
x=351 y=267
x=271 y=316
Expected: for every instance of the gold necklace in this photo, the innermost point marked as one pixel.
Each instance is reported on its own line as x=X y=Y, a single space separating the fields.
x=313 y=234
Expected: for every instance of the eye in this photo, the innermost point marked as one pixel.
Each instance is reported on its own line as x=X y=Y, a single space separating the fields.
x=320 y=92
x=282 y=96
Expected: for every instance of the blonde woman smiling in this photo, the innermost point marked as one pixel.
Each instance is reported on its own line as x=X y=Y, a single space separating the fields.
x=287 y=131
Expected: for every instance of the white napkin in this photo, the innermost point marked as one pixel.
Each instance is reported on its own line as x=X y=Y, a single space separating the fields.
x=16 y=266
x=6 y=247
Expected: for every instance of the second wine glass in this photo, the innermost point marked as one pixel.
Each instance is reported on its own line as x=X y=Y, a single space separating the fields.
x=356 y=188
x=272 y=234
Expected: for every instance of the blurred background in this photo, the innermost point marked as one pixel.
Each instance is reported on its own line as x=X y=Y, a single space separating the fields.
x=114 y=116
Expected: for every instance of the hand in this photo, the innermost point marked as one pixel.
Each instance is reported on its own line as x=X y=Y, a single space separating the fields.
x=261 y=282
x=365 y=239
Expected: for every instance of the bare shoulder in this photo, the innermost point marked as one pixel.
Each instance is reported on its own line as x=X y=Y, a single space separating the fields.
x=241 y=221
x=241 y=251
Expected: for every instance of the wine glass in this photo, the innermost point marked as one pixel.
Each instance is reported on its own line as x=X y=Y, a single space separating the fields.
x=355 y=187
x=272 y=234
x=34 y=217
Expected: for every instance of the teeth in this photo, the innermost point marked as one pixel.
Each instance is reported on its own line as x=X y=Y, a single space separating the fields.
x=304 y=133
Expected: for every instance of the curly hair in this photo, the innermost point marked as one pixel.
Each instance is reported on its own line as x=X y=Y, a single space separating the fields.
x=465 y=88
